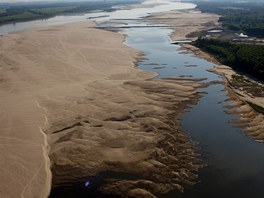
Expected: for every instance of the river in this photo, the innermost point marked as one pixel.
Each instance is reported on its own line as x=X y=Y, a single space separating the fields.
x=235 y=161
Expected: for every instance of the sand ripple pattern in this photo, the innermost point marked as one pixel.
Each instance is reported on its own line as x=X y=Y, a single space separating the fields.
x=72 y=102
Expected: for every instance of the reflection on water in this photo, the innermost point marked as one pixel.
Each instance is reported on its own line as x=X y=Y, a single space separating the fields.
x=136 y=13
x=80 y=190
x=57 y=20
x=162 y=6
x=156 y=45
x=235 y=163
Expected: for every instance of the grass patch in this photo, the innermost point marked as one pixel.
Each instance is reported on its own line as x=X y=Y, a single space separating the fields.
x=255 y=89
x=19 y=17
x=195 y=34
x=2 y=10
x=257 y=108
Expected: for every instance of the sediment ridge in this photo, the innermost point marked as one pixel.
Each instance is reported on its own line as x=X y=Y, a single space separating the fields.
x=73 y=103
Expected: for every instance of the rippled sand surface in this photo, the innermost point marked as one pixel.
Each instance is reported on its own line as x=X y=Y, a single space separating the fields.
x=72 y=102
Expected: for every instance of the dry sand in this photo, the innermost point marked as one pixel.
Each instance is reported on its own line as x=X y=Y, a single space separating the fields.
x=72 y=102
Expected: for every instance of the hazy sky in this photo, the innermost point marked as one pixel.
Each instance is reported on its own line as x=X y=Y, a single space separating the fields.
x=13 y=1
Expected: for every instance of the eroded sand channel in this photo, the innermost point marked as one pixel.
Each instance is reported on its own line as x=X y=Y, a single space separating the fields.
x=73 y=92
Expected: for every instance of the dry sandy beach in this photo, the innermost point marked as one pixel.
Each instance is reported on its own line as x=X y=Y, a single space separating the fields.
x=73 y=102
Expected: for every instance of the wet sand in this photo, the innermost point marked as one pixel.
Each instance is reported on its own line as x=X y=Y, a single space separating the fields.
x=251 y=120
x=73 y=104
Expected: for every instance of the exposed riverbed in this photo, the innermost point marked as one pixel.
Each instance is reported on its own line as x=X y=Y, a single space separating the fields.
x=235 y=161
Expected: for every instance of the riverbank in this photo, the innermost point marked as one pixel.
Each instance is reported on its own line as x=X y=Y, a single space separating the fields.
x=248 y=104
x=187 y=22
x=73 y=102
x=241 y=89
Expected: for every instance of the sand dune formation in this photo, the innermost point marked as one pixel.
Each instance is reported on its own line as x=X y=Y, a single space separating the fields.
x=72 y=101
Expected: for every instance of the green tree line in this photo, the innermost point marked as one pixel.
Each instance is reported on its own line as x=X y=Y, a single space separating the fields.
x=10 y=13
x=243 y=16
x=245 y=57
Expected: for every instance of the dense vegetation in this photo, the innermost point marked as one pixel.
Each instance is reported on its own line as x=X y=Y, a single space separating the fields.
x=238 y=16
x=248 y=58
x=15 y=12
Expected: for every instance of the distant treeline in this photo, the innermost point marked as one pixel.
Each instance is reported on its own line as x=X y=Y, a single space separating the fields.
x=238 y=16
x=245 y=57
x=10 y=13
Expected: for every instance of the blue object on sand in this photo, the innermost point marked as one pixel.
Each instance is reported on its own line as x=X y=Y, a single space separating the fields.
x=87 y=183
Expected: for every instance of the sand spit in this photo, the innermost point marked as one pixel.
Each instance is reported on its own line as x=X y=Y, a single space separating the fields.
x=251 y=120
x=71 y=94
x=188 y=21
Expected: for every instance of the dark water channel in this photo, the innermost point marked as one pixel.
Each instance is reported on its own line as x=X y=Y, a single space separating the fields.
x=235 y=161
